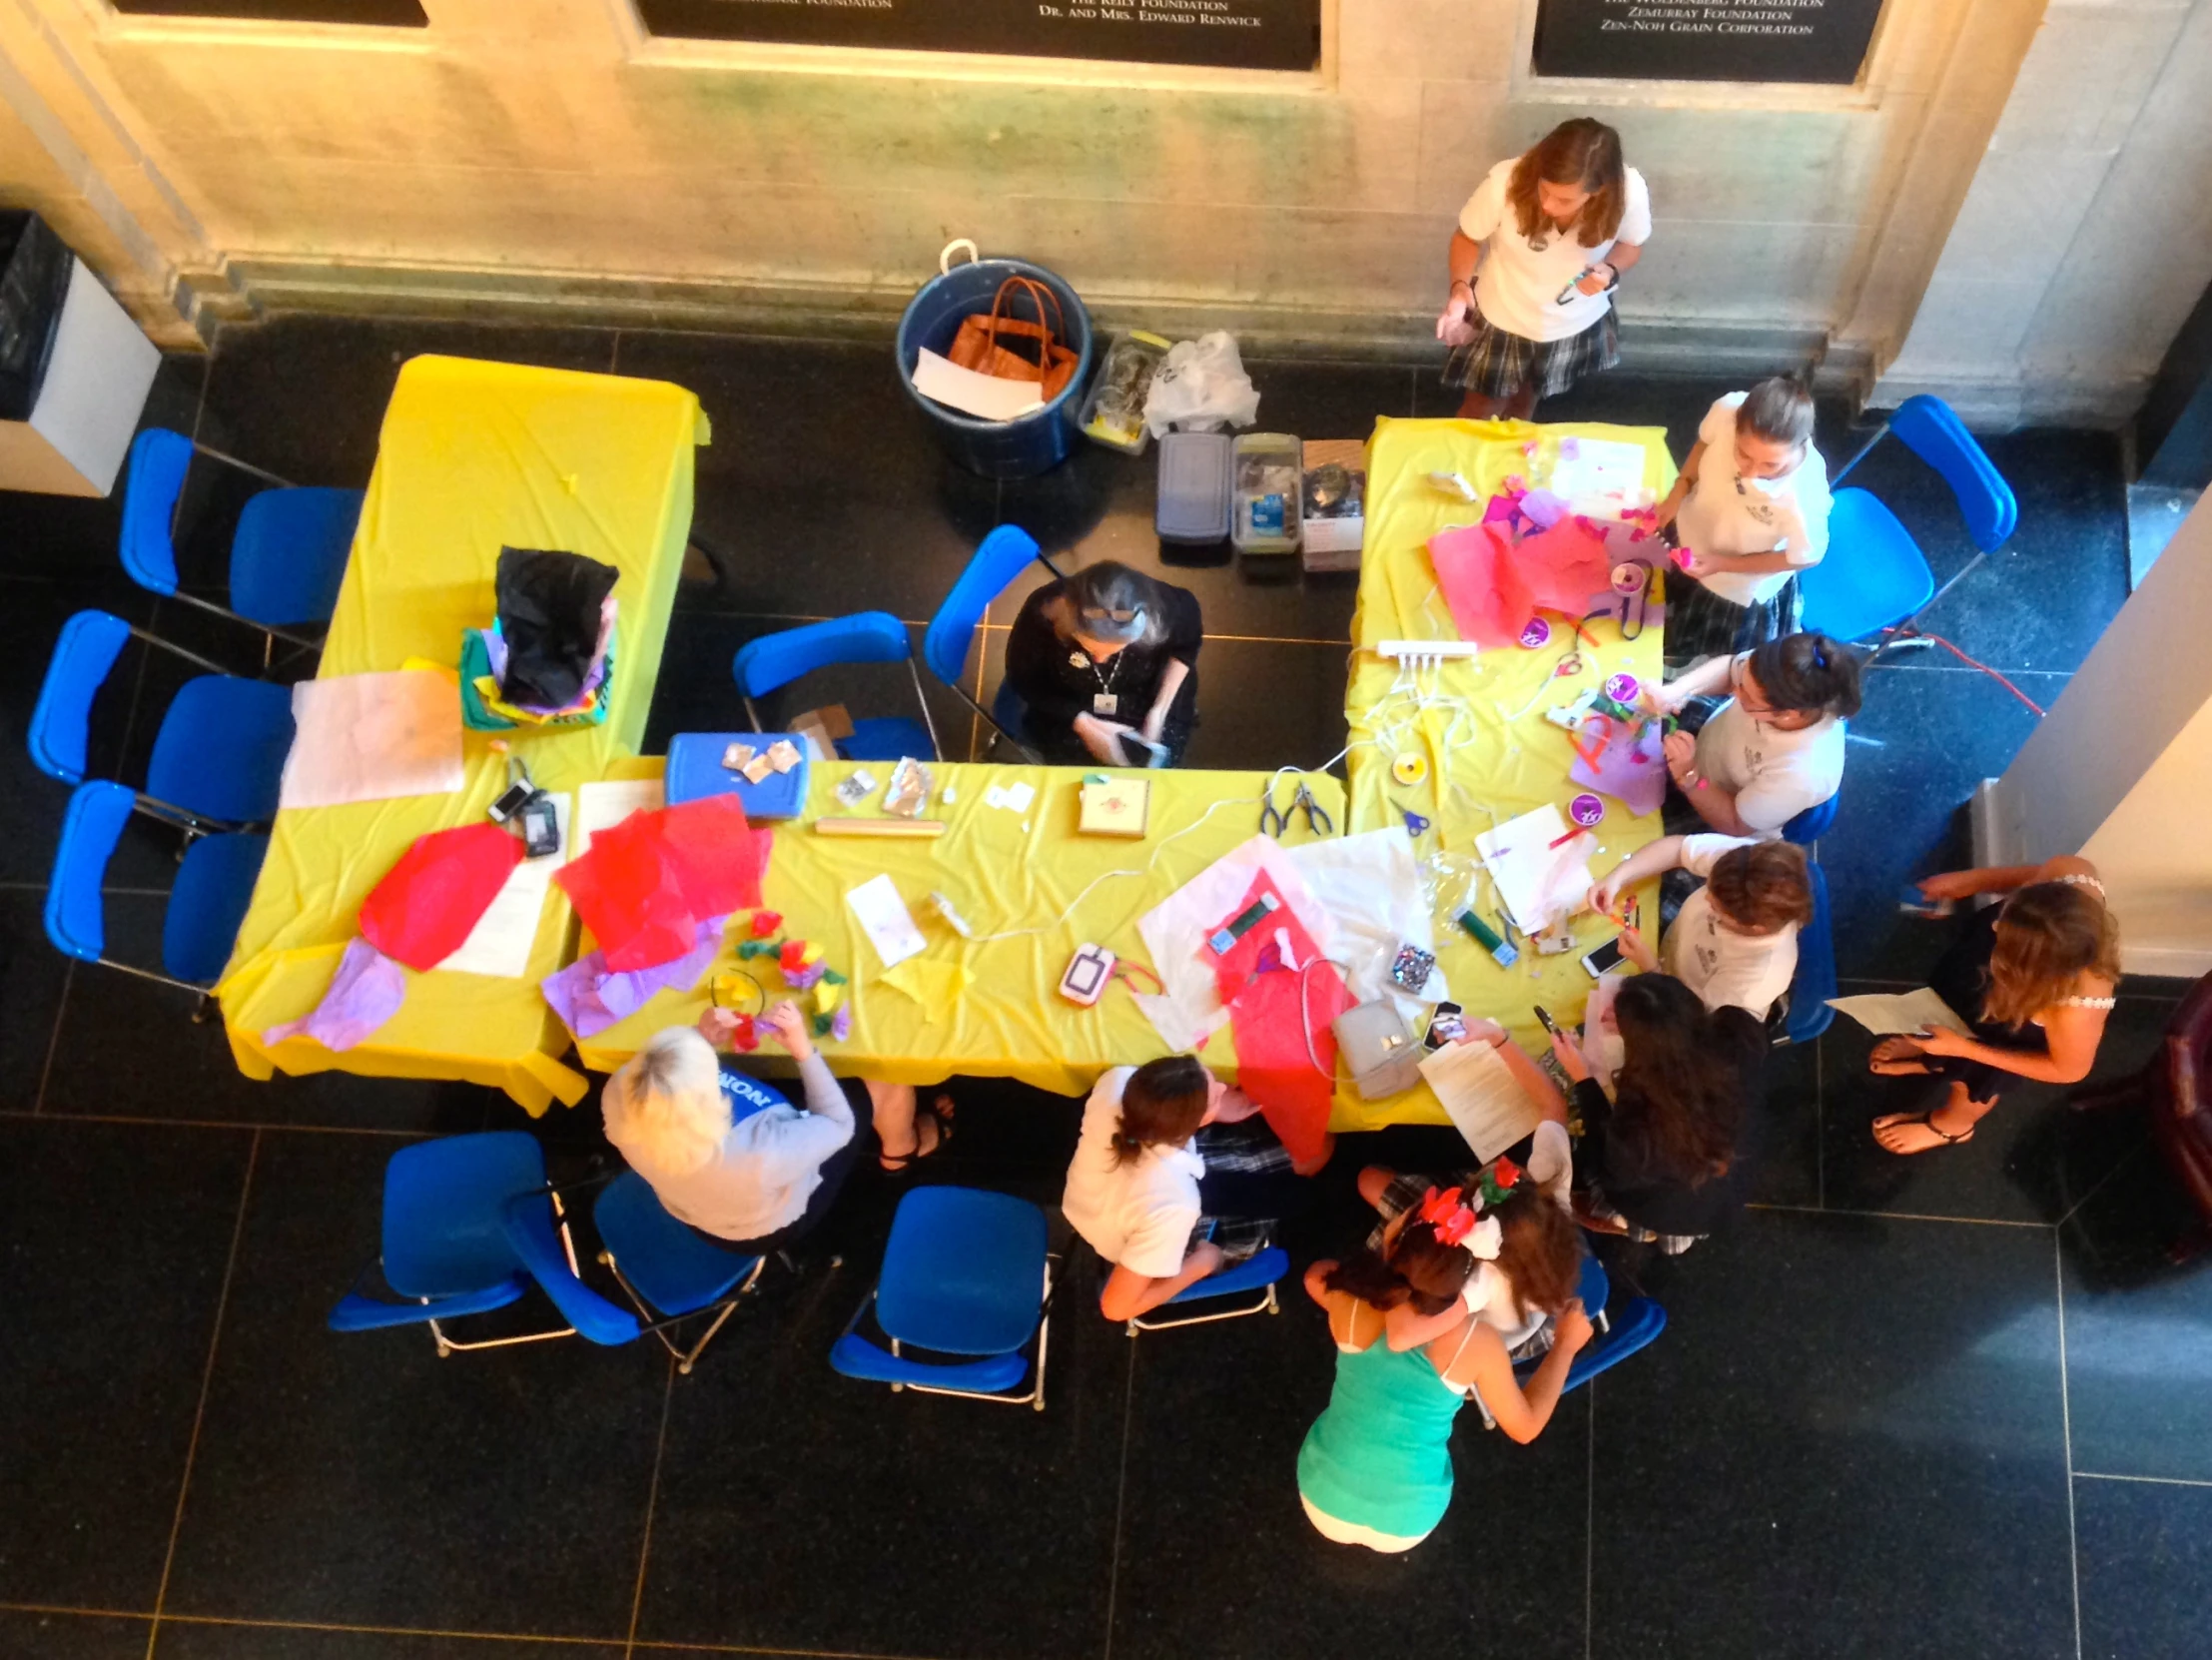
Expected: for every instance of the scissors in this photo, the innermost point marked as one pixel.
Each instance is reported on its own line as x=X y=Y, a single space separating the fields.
x=1274 y=822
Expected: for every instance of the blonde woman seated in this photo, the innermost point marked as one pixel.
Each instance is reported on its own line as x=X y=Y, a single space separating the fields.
x=732 y=1155
x=2033 y=976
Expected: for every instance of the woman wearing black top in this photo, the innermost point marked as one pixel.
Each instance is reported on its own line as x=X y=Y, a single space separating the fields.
x=1670 y=1155
x=1104 y=655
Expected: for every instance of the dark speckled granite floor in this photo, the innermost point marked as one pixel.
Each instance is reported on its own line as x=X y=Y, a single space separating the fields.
x=1945 y=1406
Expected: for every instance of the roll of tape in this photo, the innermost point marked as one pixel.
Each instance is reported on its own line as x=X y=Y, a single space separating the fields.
x=1410 y=769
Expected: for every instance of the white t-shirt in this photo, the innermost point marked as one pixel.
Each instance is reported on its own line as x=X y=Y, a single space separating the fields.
x=1522 y=278
x=1137 y=1216
x=1726 y=969
x=1488 y=1293
x=1773 y=775
x=1726 y=515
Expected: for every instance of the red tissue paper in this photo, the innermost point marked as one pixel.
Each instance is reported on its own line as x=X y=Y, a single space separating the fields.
x=645 y=885
x=1279 y=1016
x=428 y=902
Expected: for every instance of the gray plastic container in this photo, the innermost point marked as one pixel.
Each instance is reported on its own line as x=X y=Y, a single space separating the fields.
x=1195 y=470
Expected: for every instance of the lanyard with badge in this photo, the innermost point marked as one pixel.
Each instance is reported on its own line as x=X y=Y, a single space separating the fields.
x=1103 y=701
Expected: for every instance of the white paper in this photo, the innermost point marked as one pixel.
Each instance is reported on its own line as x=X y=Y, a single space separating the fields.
x=1187 y=1007
x=1016 y=798
x=499 y=944
x=884 y=918
x=1537 y=882
x=373 y=737
x=1598 y=472
x=1480 y=1095
x=1602 y=1047
x=983 y=396
x=1371 y=889
x=1885 y=1012
x=603 y=806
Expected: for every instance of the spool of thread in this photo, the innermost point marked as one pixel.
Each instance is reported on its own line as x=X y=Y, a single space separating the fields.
x=1410 y=769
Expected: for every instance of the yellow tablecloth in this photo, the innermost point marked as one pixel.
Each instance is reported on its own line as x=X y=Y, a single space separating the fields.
x=1007 y=873
x=1480 y=724
x=472 y=456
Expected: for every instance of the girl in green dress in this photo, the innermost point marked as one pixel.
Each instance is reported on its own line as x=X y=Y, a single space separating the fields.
x=1376 y=1468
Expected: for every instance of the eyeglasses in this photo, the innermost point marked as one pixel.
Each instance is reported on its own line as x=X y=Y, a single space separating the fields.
x=1739 y=676
x=1098 y=614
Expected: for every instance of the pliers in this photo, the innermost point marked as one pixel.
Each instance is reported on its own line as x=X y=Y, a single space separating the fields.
x=1274 y=822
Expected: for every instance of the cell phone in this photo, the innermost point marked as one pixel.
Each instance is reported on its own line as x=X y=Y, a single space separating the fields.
x=1544 y=1017
x=1607 y=956
x=1447 y=1025
x=511 y=800
x=1914 y=903
x=540 y=827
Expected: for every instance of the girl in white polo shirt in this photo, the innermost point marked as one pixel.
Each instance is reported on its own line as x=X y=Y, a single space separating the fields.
x=1553 y=229
x=1773 y=750
x=1749 y=511
x=1734 y=940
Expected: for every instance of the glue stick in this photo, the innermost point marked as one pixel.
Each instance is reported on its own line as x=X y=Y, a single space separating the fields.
x=1502 y=954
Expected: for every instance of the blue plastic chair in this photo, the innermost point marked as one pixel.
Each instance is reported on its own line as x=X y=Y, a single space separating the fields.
x=999 y=558
x=207 y=902
x=1815 y=981
x=965 y=1273
x=775 y=660
x=537 y=1231
x=665 y=1267
x=219 y=757
x=288 y=555
x=1876 y=577
x=1640 y=1321
x=1258 y=1273
x=1811 y=824
x=446 y=1250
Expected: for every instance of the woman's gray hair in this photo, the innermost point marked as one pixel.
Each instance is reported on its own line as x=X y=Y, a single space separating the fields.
x=1778 y=410
x=1110 y=603
x=668 y=1098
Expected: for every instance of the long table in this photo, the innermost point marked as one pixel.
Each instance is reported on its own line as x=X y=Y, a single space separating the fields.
x=1029 y=887
x=472 y=456
x=1478 y=723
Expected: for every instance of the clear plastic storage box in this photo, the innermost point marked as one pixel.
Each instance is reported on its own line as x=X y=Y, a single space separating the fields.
x=1114 y=413
x=1268 y=474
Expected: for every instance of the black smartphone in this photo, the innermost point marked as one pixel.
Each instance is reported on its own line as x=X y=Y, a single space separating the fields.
x=1607 y=956
x=1447 y=1025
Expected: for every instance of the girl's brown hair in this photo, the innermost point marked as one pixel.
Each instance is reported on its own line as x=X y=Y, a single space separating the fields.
x=1415 y=1267
x=1779 y=409
x=1538 y=1252
x=1763 y=886
x=2049 y=934
x=1583 y=152
x=1680 y=1099
x=1163 y=1105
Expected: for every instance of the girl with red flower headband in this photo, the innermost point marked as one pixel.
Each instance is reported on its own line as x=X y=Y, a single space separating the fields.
x=1375 y=1468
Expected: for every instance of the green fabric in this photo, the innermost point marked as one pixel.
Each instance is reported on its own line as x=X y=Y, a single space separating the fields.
x=1378 y=1456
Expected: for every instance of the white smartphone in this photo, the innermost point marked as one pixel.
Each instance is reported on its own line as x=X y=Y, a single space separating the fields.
x=1607 y=956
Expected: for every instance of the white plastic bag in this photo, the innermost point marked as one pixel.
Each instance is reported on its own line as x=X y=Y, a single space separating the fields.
x=1201 y=386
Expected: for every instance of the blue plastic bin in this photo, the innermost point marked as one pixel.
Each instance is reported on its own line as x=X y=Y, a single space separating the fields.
x=1027 y=444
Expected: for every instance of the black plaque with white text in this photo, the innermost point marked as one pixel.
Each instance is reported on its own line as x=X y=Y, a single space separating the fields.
x=1818 y=41
x=1223 y=34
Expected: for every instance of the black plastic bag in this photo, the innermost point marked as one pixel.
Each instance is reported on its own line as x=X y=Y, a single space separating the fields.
x=549 y=606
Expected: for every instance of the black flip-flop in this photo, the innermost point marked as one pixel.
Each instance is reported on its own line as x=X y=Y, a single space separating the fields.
x=939 y=1111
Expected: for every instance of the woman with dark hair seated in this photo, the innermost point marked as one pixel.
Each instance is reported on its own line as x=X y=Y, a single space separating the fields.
x=1375 y=1468
x=1771 y=749
x=1104 y=659
x=1669 y=1159
x=1163 y=1204
x=2034 y=977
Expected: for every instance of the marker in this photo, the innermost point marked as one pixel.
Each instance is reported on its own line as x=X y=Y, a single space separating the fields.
x=1561 y=841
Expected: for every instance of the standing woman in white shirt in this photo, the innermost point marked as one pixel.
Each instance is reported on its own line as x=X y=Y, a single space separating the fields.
x=1749 y=511
x=1554 y=230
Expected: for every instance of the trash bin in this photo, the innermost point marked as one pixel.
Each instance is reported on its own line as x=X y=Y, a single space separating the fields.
x=1029 y=443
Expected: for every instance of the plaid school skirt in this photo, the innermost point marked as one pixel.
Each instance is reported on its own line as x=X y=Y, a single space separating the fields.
x=1497 y=364
x=1701 y=624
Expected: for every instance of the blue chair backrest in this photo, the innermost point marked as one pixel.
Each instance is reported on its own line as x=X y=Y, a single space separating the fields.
x=158 y=461
x=1815 y=981
x=963 y=1270
x=76 y=917
x=1930 y=430
x=999 y=558
x=1594 y=1288
x=1810 y=825
x=445 y=1214
x=536 y=1242
x=60 y=724
x=776 y=660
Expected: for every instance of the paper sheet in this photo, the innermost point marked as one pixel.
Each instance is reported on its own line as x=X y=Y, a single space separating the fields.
x=373 y=737
x=885 y=920
x=1538 y=882
x=1187 y=1010
x=1883 y=1013
x=1480 y=1095
x=983 y=396
x=1370 y=887
x=1595 y=473
x=936 y=986
x=501 y=942
x=603 y=806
